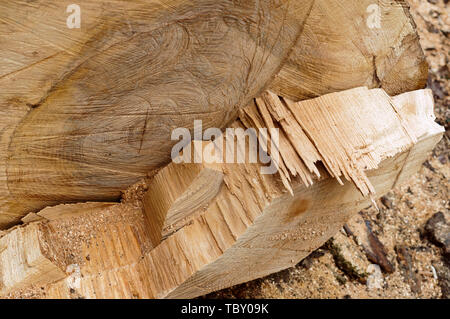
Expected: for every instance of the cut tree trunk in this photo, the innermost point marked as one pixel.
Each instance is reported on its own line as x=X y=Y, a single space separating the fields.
x=186 y=241
x=86 y=112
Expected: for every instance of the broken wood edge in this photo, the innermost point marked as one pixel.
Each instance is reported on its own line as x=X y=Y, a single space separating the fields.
x=334 y=129
x=304 y=141
x=175 y=194
x=92 y=241
x=251 y=228
x=23 y=261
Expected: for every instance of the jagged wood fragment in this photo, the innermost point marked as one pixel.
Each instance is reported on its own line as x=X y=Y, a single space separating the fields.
x=343 y=46
x=23 y=261
x=177 y=192
x=340 y=129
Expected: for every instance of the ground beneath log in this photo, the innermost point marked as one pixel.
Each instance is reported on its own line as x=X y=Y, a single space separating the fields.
x=400 y=251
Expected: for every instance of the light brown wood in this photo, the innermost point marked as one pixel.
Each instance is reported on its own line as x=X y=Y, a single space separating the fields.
x=339 y=49
x=23 y=261
x=339 y=130
x=87 y=112
x=251 y=227
x=94 y=239
x=175 y=193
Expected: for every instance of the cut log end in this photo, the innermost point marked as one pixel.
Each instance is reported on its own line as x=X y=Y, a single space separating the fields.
x=87 y=112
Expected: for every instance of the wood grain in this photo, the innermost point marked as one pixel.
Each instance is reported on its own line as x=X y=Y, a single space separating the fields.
x=89 y=111
x=248 y=229
x=337 y=50
x=84 y=113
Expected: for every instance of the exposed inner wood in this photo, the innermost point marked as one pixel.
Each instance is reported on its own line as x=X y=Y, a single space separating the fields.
x=340 y=130
x=23 y=262
x=94 y=240
x=250 y=228
x=175 y=194
x=87 y=112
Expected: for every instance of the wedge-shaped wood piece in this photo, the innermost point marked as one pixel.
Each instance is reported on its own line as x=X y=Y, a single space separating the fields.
x=252 y=227
x=177 y=192
x=361 y=42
